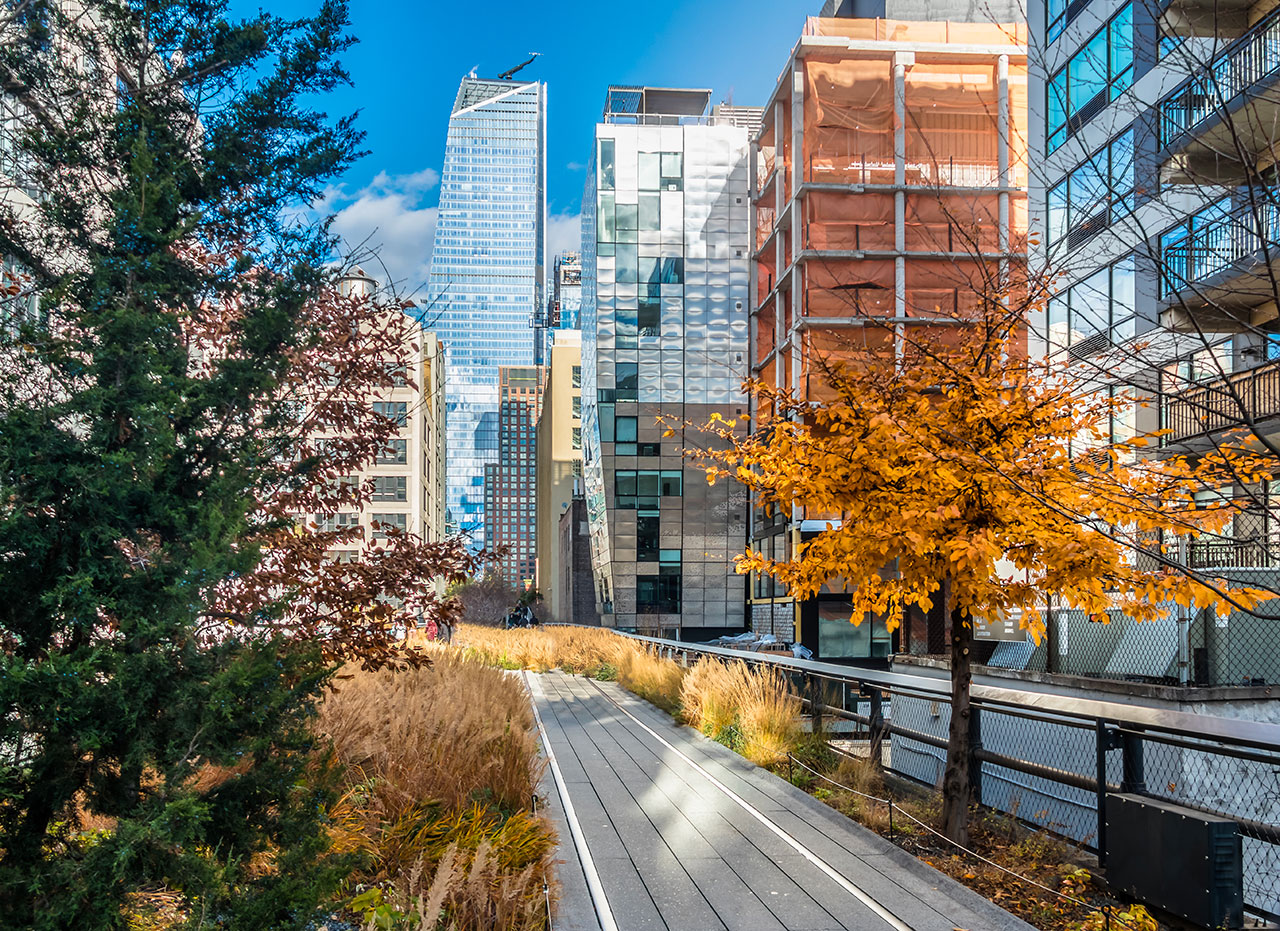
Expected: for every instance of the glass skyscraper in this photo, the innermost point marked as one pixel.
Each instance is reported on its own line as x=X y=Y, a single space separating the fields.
x=486 y=270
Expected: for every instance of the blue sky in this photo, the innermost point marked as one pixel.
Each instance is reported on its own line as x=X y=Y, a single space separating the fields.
x=411 y=56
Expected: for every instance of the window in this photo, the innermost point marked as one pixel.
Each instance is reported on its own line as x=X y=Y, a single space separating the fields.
x=672 y=171
x=647 y=527
x=625 y=429
x=659 y=594
x=650 y=171
x=395 y=453
x=577 y=405
x=1102 y=303
x=607 y=148
x=1098 y=193
x=328 y=523
x=577 y=376
x=577 y=438
x=645 y=488
x=383 y=524
x=391 y=488
x=627 y=380
x=395 y=411
x=1095 y=75
x=649 y=316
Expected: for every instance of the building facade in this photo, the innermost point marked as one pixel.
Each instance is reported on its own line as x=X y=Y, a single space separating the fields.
x=563 y=305
x=575 y=593
x=510 y=484
x=406 y=475
x=665 y=271
x=1155 y=208
x=434 y=447
x=559 y=462
x=487 y=275
x=890 y=171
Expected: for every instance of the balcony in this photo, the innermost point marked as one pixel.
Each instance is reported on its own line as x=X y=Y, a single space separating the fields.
x=1223 y=404
x=1224 y=106
x=1227 y=553
x=1217 y=273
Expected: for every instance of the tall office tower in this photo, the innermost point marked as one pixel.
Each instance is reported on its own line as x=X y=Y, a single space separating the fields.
x=486 y=270
x=563 y=305
x=890 y=175
x=665 y=270
x=1158 y=216
x=559 y=463
x=510 y=484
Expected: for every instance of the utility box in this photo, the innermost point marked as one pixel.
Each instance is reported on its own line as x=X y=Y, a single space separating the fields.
x=1177 y=859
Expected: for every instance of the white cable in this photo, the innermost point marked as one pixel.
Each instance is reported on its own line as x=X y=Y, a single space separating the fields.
x=891 y=919
x=596 y=888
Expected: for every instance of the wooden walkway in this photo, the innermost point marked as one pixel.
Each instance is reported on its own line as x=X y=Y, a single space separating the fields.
x=662 y=828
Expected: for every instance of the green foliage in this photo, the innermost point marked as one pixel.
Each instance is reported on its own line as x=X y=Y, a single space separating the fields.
x=128 y=479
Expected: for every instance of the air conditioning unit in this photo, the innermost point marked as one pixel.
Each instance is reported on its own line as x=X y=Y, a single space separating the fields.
x=1178 y=859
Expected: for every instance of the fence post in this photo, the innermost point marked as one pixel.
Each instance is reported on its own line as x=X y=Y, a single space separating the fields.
x=1132 y=778
x=877 y=726
x=975 y=745
x=815 y=703
x=1103 y=743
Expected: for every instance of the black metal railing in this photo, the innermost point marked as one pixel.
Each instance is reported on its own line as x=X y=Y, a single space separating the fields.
x=1051 y=759
x=1237 y=401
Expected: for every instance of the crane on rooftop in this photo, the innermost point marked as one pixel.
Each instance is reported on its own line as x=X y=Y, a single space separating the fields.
x=506 y=75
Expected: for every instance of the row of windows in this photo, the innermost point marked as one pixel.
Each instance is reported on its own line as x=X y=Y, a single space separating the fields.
x=1102 y=303
x=1096 y=194
x=655 y=171
x=1096 y=74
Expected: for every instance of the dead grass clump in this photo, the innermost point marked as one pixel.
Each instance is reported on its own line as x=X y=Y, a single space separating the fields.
x=749 y=708
x=582 y=651
x=654 y=679
x=441 y=765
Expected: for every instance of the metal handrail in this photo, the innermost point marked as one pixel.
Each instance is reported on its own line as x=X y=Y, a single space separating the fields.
x=1202 y=727
x=1226 y=403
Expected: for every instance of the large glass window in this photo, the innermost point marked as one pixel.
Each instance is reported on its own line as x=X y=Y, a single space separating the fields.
x=606 y=164
x=647 y=527
x=1098 y=193
x=396 y=453
x=1103 y=302
x=1099 y=72
x=627 y=380
x=659 y=594
x=839 y=638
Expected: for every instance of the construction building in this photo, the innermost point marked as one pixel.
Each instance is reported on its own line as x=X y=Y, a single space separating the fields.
x=890 y=170
x=559 y=458
x=510 y=484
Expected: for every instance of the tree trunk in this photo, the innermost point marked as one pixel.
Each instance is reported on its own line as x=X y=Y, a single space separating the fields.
x=955 y=780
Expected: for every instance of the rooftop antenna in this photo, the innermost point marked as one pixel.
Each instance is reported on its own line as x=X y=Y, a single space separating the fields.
x=506 y=75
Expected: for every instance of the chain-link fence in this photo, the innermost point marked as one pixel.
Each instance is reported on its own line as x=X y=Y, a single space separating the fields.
x=1186 y=647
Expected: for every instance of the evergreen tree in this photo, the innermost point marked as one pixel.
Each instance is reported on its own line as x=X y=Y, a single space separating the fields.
x=156 y=134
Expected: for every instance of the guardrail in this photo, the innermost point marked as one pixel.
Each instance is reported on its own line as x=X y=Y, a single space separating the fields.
x=1050 y=759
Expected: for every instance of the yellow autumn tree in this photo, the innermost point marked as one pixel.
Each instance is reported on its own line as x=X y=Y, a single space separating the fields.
x=950 y=465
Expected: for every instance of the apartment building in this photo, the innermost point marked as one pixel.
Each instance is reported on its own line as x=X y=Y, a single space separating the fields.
x=510 y=484
x=890 y=170
x=408 y=476
x=1156 y=211
x=559 y=463
x=665 y=272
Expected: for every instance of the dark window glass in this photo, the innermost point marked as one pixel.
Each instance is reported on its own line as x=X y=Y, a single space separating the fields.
x=647 y=538
x=625 y=429
x=627 y=380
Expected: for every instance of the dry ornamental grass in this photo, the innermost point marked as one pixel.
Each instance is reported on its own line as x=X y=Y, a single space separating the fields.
x=441 y=768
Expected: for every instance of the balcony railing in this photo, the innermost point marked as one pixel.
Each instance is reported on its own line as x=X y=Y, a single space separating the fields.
x=1224 y=404
x=1218 y=245
x=1246 y=553
x=1242 y=64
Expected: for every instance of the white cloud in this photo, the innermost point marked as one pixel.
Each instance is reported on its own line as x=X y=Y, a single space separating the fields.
x=564 y=234
x=388 y=228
